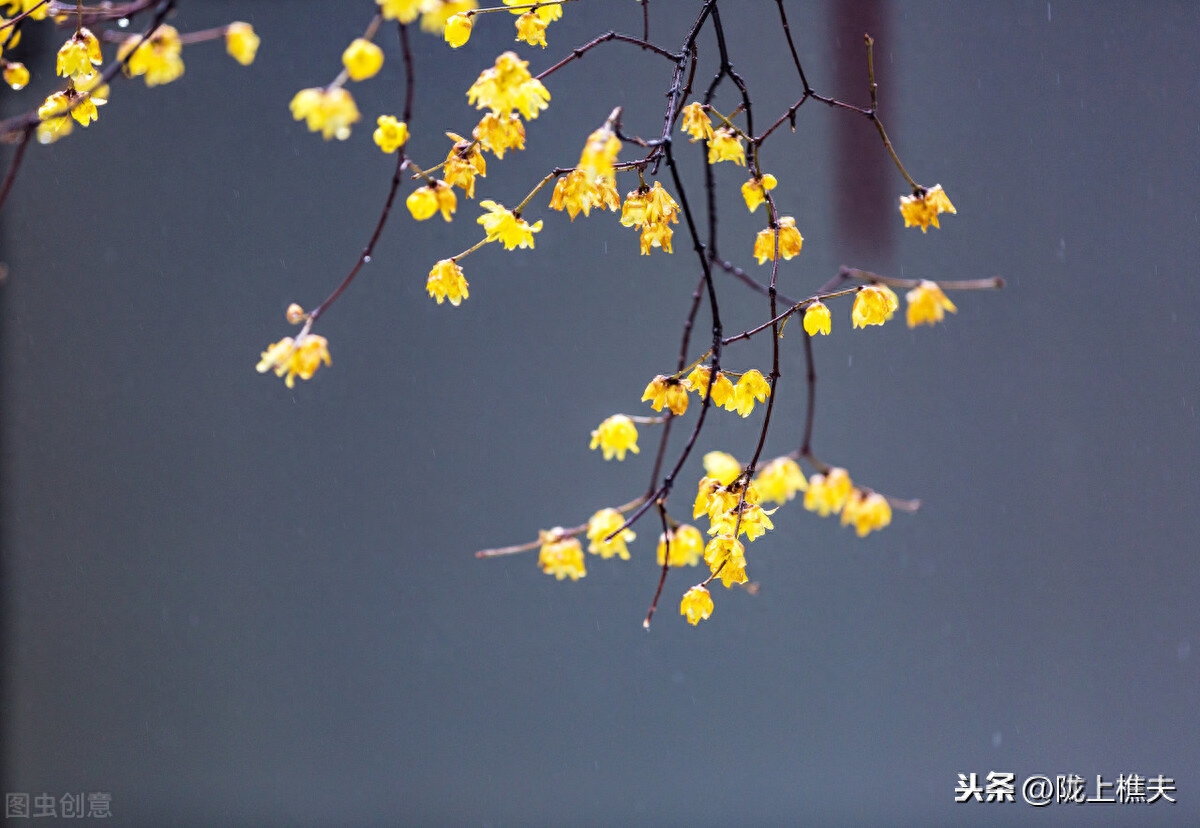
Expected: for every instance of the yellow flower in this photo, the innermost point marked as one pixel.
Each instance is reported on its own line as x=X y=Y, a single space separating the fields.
x=497 y=133
x=16 y=75
x=532 y=29
x=817 y=319
x=666 y=391
x=405 y=11
x=755 y=190
x=574 y=193
x=423 y=202
x=458 y=29
x=241 y=42
x=660 y=207
x=752 y=386
x=790 y=241
x=687 y=546
x=508 y=86
x=868 y=513
x=327 y=111
x=873 y=305
x=656 y=235
x=651 y=210
x=446 y=282
x=391 y=134
x=706 y=492
x=779 y=480
x=599 y=155
x=559 y=556
x=921 y=209
x=436 y=14
x=749 y=518
x=158 y=58
x=600 y=526
x=36 y=8
x=722 y=392
x=615 y=436
x=927 y=304
x=726 y=558
x=548 y=12
x=696 y=123
x=81 y=107
x=506 y=227
x=362 y=59
x=722 y=467
x=77 y=56
x=726 y=146
x=464 y=162
x=295 y=314
x=828 y=493
x=295 y=358
x=697 y=605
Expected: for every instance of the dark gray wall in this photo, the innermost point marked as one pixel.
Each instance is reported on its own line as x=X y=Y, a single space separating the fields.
x=228 y=603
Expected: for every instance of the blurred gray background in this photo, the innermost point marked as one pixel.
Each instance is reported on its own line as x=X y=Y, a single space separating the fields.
x=228 y=603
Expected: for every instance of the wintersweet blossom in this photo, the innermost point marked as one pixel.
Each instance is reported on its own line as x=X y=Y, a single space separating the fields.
x=754 y=191
x=424 y=202
x=508 y=86
x=922 y=208
x=726 y=146
x=750 y=388
x=927 y=304
x=867 y=512
x=446 y=281
x=390 y=134
x=600 y=526
x=827 y=493
x=531 y=29
x=722 y=467
x=498 y=133
x=790 y=241
x=696 y=123
x=290 y=358
x=77 y=57
x=362 y=59
x=686 y=546
x=507 y=227
x=615 y=436
x=329 y=111
x=722 y=390
x=873 y=305
x=241 y=42
x=463 y=163
x=780 y=479
x=666 y=391
x=817 y=319
x=697 y=605
x=561 y=556
x=157 y=58
x=457 y=30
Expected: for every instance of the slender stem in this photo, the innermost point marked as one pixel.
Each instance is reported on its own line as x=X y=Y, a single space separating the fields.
x=15 y=164
x=580 y=51
x=666 y=565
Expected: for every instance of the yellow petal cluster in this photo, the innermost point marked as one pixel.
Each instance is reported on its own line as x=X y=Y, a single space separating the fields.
x=722 y=390
x=16 y=75
x=697 y=605
x=827 y=493
x=463 y=163
x=779 y=480
x=362 y=59
x=696 y=123
x=295 y=358
x=724 y=145
x=548 y=12
x=575 y=194
x=80 y=105
x=508 y=86
x=752 y=387
x=390 y=134
x=927 y=304
x=599 y=155
x=686 y=546
x=330 y=112
x=506 y=227
x=158 y=59
x=615 y=436
x=457 y=30
x=922 y=208
x=560 y=556
x=405 y=11
x=446 y=281
x=722 y=467
x=873 y=305
x=666 y=391
x=498 y=133
x=424 y=202
x=867 y=512
x=726 y=558
x=241 y=42
x=652 y=211
x=77 y=56
x=531 y=29
x=817 y=319
x=754 y=191
x=437 y=14
x=790 y=241
x=600 y=526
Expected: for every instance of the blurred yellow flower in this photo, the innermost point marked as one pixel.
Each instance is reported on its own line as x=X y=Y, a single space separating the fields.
x=615 y=436
x=241 y=42
x=927 y=304
x=697 y=605
x=600 y=526
x=362 y=59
